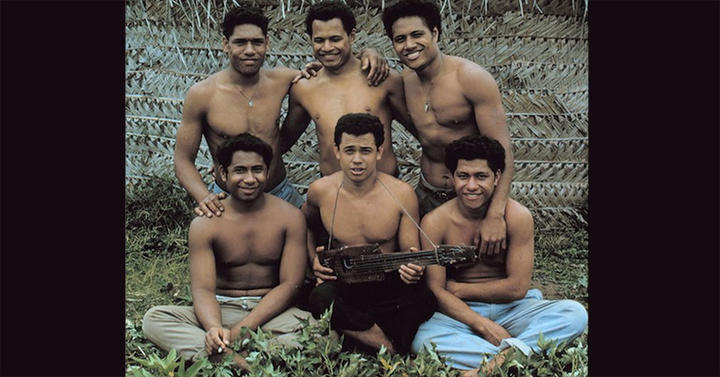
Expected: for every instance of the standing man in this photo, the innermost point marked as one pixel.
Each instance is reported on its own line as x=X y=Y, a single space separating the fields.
x=448 y=97
x=360 y=205
x=486 y=308
x=245 y=267
x=340 y=88
x=244 y=97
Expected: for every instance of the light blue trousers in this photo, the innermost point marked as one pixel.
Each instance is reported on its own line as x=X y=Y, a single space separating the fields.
x=284 y=190
x=561 y=320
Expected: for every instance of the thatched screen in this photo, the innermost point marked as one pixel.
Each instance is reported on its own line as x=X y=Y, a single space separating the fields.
x=536 y=50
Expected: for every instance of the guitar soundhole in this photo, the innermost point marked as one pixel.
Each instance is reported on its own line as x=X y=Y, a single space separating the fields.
x=345 y=264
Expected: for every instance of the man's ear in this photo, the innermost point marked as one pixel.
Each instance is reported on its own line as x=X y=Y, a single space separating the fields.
x=435 y=34
x=380 y=152
x=225 y=43
x=498 y=173
x=337 y=151
x=352 y=36
x=223 y=173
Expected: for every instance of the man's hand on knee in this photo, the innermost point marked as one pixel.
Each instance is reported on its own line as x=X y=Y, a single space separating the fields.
x=490 y=331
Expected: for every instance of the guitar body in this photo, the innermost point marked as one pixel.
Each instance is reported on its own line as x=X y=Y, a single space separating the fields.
x=338 y=260
x=366 y=263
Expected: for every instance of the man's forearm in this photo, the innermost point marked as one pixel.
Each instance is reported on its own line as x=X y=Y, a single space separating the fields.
x=272 y=304
x=495 y=291
x=454 y=307
x=500 y=197
x=191 y=180
x=207 y=309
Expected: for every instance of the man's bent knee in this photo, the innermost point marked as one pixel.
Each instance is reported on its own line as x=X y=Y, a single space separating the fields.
x=577 y=316
x=321 y=298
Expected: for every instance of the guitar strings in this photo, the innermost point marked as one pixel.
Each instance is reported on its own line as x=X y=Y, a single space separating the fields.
x=390 y=261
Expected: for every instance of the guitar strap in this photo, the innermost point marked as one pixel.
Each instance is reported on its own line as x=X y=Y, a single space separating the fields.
x=435 y=247
x=332 y=221
x=337 y=195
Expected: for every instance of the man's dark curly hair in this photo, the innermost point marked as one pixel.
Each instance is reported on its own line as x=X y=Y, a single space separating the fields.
x=245 y=14
x=243 y=142
x=473 y=147
x=360 y=124
x=326 y=11
x=427 y=10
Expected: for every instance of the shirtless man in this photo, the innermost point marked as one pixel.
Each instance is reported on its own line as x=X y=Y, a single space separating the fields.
x=486 y=308
x=340 y=88
x=241 y=98
x=245 y=267
x=360 y=205
x=451 y=97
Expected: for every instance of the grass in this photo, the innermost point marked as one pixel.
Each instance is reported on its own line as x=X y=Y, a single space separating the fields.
x=157 y=273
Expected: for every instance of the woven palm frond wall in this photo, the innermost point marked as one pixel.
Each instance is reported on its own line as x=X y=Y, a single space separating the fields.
x=536 y=50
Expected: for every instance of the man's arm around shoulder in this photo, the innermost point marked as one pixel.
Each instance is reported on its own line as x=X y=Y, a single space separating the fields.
x=396 y=100
x=518 y=264
x=187 y=143
x=296 y=120
x=480 y=89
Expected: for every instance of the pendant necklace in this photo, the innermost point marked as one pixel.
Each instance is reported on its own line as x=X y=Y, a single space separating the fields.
x=427 y=98
x=250 y=99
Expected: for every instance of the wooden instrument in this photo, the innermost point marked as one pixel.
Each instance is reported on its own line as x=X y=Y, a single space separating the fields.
x=365 y=263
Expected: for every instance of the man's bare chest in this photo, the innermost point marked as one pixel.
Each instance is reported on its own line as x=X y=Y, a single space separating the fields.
x=240 y=245
x=230 y=116
x=437 y=107
x=366 y=221
x=326 y=103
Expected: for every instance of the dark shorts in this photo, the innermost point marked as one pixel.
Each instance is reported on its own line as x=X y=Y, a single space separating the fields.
x=430 y=197
x=397 y=308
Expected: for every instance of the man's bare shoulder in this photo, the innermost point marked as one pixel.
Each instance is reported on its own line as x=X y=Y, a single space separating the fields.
x=281 y=210
x=321 y=186
x=204 y=226
x=204 y=88
x=470 y=74
x=394 y=79
x=439 y=217
x=517 y=216
x=398 y=186
x=304 y=85
x=280 y=75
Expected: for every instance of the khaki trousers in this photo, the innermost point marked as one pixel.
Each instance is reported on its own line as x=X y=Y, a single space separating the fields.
x=177 y=327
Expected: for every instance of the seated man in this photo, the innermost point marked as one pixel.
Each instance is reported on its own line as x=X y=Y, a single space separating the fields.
x=245 y=266
x=360 y=205
x=487 y=307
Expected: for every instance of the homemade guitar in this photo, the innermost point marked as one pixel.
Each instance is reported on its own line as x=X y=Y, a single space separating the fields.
x=365 y=263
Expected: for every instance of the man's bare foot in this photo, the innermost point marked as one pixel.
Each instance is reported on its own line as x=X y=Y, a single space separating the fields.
x=241 y=362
